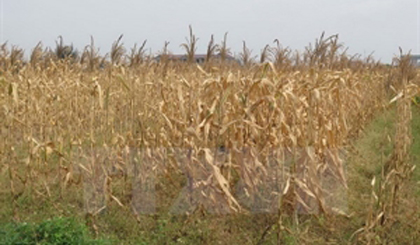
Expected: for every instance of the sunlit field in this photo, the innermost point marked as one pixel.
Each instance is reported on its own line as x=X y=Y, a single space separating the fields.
x=312 y=147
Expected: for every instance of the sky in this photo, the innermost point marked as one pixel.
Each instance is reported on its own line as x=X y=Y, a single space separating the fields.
x=364 y=26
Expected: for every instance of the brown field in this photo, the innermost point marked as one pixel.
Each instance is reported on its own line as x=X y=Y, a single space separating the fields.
x=126 y=142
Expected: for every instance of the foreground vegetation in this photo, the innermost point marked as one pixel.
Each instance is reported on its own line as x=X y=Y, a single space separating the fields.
x=280 y=151
x=55 y=231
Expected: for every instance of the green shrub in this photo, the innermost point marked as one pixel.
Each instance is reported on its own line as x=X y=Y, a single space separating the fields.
x=56 y=231
x=416 y=100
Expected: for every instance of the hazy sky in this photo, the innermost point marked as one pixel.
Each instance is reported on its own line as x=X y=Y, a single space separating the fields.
x=365 y=26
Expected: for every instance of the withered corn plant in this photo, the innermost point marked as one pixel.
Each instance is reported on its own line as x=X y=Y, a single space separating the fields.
x=90 y=58
x=282 y=56
x=190 y=46
x=36 y=55
x=223 y=50
x=211 y=49
x=245 y=56
x=265 y=54
x=11 y=60
x=137 y=56
x=117 y=52
x=64 y=51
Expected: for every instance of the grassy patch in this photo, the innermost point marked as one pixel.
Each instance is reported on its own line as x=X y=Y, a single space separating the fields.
x=54 y=231
x=415 y=149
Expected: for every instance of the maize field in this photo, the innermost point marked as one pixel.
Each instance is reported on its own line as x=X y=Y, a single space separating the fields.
x=267 y=137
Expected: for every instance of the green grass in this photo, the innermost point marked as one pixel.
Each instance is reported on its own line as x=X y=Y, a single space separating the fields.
x=371 y=150
x=415 y=148
x=55 y=231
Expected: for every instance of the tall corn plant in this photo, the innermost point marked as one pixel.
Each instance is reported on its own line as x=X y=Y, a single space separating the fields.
x=324 y=53
x=11 y=59
x=316 y=55
x=117 y=52
x=90 y=56
x=281 y=56
x=403 y=139
x=16 y=57
x=137 y=56
x=64 y=51
x=164 y=58
x=223 y=49
x=36 y=55
x=164 y=53
x=211 y=49
x=190 y=46
x=246 y=55
x=4 y=53
x=265 y=54
x=333 y=55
